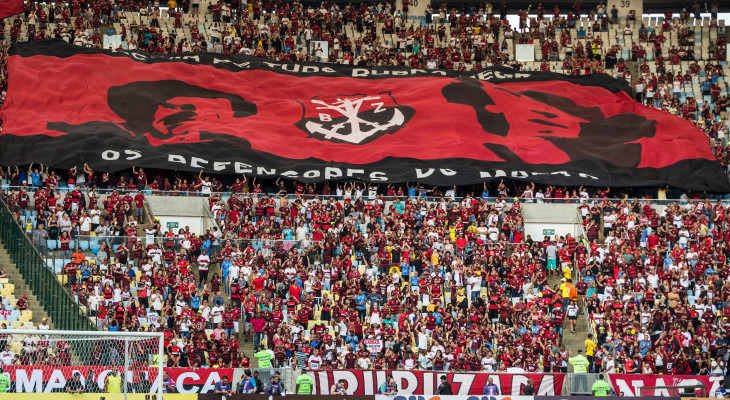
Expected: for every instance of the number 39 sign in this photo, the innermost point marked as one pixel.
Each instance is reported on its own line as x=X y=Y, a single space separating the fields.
x=625 y=6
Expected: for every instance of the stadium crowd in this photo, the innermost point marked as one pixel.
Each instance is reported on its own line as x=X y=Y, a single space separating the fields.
x=450 y=284
x=656 y=289
x=366 y=276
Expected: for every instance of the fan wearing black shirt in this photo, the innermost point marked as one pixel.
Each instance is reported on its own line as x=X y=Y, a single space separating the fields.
x=75 y=385
x=444 y=388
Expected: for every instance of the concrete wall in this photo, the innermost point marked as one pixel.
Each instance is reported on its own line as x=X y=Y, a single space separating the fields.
x=186 y=211
x=561 y=218
x=537 y=230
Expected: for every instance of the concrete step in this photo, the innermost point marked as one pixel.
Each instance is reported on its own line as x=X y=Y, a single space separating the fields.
x=575 y=342
x=572 y=342
x=22 y=288
x=247 y=349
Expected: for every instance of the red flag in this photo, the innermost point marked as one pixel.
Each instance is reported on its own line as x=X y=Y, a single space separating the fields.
x=10 y=7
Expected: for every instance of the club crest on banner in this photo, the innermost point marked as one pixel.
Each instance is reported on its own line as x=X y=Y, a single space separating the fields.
x=353 y=119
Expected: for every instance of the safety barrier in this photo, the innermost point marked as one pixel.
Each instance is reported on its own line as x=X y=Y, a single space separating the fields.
x=235 y=396
x=56 y=300
x=365 y=196
x=411 y=385
x=581 y=384
x=56 y=258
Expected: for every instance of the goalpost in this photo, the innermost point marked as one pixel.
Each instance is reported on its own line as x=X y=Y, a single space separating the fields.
x=122 y=365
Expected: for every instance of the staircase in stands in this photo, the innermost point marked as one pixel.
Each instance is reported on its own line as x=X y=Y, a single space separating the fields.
x=21 y=288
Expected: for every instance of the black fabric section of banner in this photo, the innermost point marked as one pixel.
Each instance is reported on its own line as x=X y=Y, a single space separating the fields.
x=61 y=49
x=108 y=147
x=72 y=150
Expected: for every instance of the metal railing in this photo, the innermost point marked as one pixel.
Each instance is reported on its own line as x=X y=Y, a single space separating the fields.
x=580 y=384
x=577 y=271
x=55 y=299
x=93 y=242
x=365 y=195
x=55 y=258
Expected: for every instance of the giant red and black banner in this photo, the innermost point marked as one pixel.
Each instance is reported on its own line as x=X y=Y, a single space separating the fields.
x=48 y=379
x=10 y=7
x=630 y=385
x=366 y=382
x=243 y=115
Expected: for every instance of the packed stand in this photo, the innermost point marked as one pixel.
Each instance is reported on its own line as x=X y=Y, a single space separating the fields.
x=446 y=285
x=292 y=262
x=654 y=286
x=315 y=272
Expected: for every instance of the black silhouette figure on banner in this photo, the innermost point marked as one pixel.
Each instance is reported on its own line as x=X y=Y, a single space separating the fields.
x=167 y=112
x=581 y=133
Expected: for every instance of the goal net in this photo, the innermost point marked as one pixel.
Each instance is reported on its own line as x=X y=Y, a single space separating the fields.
x=122 y=365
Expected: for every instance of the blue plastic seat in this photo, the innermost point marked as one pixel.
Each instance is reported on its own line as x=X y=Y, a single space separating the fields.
x=58 y=265
x=94 y=245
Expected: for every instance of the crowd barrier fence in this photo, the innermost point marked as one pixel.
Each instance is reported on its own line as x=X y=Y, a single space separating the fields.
x=359 y=384
x=178 y=396
x=56 y=300
x=365 y=196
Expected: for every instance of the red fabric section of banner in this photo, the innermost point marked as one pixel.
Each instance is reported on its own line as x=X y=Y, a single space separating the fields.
x=10 y=7
x=75 y=90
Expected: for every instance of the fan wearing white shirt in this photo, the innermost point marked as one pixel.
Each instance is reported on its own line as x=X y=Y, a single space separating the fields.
x=95 y=214
x=438 y=347
x=205 y=310
x=488 y=362
x=315 y=360
x=233 y=272
x=290 y=272
x=147 y=269
x=203 y=263
x=217 y=313
x=155 y=253
x=363 y=362
x=409 y=364
x=43 y=326
x=610 y=365
x=6 y=356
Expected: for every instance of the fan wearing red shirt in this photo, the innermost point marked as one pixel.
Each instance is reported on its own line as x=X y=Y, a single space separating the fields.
x=295 y=291
x=139 y=206
x=174 y=352
x=258 y=282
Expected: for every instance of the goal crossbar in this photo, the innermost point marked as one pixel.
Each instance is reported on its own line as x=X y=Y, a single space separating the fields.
x=93 y=335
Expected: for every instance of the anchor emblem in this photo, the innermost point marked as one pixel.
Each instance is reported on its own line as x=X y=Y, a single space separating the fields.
x=354 y=119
